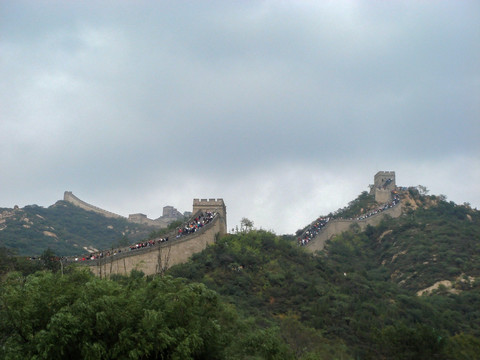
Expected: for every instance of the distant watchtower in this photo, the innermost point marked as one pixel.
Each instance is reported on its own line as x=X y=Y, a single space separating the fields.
x=213 y=205
x=383 y=185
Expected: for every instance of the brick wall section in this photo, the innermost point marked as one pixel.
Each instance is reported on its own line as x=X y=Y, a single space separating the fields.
x=148 y=260
x=335 y=227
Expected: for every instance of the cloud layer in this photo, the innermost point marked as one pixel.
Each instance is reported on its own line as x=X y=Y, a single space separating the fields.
x=286 y=109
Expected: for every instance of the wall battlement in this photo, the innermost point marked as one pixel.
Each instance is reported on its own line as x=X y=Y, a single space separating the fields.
x=208 y=202
x=385 y=173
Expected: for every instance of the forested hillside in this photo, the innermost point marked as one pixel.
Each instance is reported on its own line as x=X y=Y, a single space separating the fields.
x=64 y=228
x=362 y=290
x=256 y=295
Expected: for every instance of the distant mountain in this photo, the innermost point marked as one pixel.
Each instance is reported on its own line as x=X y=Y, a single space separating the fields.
x=64 y=228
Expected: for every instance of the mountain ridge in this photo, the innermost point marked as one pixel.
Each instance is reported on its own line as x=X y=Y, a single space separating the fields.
x=64 y=228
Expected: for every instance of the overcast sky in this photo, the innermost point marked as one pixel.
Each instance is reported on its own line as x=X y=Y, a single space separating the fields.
x=285 y=109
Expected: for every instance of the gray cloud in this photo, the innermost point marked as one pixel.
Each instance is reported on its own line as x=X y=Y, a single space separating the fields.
x=284 y=109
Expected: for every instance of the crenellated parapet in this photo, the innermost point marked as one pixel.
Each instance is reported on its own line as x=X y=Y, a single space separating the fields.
x=208 y=203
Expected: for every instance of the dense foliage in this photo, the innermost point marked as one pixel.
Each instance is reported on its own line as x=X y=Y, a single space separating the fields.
x=427 y=245
x=66 y=229
x=254 y=295
x=361 y=292
x=77 y=316
x=360 y=205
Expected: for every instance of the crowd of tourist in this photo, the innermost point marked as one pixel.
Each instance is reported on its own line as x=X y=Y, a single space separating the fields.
x=196 y=224
x=148 y=243
x=189 y=228
x=321 y=222
x=386 y=206
x=313 y=230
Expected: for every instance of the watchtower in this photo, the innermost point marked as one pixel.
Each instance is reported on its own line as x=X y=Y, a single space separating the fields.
x=213 y=205
x=383 y=185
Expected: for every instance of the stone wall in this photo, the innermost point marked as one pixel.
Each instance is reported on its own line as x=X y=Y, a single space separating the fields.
x=72 y=199
x=383 y=196
x=335 y=227
x=143 y=219
x=381 y=176
x=152 y=260
x=155 y=259
x=161 y=222
x=383 y=184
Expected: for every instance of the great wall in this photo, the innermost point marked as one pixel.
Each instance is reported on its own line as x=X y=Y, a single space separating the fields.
x=338 y=226
x=169 y=215
x=383 y=185
x=156 y=259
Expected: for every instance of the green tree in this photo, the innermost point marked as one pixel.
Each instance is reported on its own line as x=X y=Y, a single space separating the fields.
x=123 y=241
x=420 y=341
x=422 y=190
x=7 y=261
x=246 y=225
x=463 y=347
x=78 y=316
x=50 y=260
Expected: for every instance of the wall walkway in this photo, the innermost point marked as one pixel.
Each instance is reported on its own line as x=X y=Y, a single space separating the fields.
x=158 y=258
x=337 y=226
